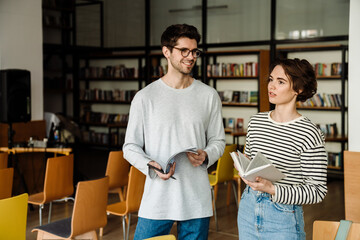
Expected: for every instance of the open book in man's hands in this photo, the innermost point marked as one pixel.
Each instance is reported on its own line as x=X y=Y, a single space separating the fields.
x=165 y=165
x=260 y=166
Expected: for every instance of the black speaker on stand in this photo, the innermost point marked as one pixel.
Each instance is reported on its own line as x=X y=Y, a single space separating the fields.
x=15 y=98
x=15 y=95
x=15 y=102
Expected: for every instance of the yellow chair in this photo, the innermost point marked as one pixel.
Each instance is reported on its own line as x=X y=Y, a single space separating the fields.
x=3 y=160
x=89 y=214
x=118 y=171
x=13 y=217
x=132 y=202
x=164 y=237
x=58 y=183
x=325 y=230
x=237 y=179
x=6 y=182
x=351 y=185
x=224 y=173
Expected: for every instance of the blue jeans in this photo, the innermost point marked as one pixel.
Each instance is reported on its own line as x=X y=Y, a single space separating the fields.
x=190 y=229
x=260 y=218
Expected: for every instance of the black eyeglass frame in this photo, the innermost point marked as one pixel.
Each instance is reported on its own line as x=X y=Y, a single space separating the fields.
x=195 y=52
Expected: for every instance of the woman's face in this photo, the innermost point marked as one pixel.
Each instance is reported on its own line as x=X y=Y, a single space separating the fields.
x=280 y=88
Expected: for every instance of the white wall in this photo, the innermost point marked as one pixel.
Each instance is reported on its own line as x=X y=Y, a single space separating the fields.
x=354 y=74
x=21 y=45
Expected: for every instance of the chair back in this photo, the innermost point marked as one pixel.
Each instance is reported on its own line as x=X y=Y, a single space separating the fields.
x=3 y=160
x=13 y=217
x=135 y=190
x=225 y=165
x=89 y=212
x=6 y=182
x=59 y=178
x=325 y=230
x=351 y=185
x=163 y=237
x=117 y=169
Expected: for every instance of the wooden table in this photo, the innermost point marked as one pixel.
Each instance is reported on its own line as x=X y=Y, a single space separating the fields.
x=17 y=150
x=236 y=133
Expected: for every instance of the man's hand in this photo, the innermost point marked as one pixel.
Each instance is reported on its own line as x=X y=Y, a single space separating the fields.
x=162 y=175
x=197 y=159
x=261 y=184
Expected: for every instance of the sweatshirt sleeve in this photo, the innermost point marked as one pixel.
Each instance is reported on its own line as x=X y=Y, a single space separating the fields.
x=133 y=147
x=313 y=189
x=215 y=134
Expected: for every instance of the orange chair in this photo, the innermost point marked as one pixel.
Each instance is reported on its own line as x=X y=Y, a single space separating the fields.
x=118 y=171
x=6 y=182
x=134 y=193
x=13 y=217
x=89 y=213
x=324 y=230
x=3 y=160
x=224 y=173
x=58 y=183
x=351 y=185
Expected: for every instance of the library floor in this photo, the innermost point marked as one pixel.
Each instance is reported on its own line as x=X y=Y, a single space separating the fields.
x=332 y=208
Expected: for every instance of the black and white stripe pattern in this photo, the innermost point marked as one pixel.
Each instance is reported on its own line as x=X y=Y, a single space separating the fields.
x=297 y=149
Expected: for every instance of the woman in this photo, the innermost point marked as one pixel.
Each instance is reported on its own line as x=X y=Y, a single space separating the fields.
x=295 y=146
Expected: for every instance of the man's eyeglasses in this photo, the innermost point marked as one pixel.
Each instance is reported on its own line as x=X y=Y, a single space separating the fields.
x=185 y=52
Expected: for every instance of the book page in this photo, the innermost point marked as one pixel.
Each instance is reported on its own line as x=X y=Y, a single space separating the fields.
x=166 y=165
x=267 y=171
x=258 y=161
x=260 y=166
x=244 y=161
x=237 y=163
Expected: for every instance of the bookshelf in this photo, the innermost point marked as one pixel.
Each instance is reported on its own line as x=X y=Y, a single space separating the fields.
x=58 y=35
x=94 y=82
x=239 y=71
x=216 y=47
x=332 y=108
x=107 y=83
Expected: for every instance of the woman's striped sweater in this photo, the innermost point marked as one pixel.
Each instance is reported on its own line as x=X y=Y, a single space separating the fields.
x=297 y=149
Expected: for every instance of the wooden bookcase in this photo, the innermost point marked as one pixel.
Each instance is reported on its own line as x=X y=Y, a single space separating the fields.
x=58 y=43
x=101 y=59
x=328 y=84
x=107 y=83
x=240 y=82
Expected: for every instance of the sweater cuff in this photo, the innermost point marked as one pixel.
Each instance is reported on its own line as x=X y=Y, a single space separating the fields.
x=275 y=197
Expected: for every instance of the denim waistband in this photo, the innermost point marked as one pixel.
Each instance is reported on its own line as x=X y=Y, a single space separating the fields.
x=256 y=193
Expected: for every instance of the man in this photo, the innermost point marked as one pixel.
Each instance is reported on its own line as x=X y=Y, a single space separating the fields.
x=169 y=115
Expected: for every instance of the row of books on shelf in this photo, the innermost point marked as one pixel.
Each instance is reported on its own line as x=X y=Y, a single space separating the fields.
x=322 y=100
x=50 y=20
x=117 y=71
x=334 y=159
x=113 y=139
x=328 y=69
x=328 y=129
x=97 y=94
x=158 y=71
x=58 y=3
x=249 y=69
x=239 y=96
x=161 y=70
x=58 y=83
x=101 y=117
x=234 y=123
